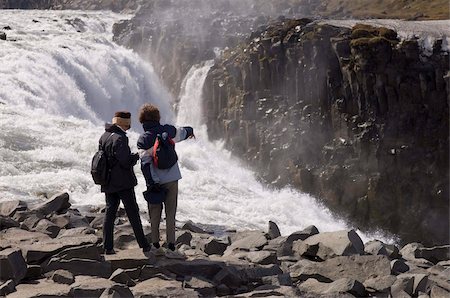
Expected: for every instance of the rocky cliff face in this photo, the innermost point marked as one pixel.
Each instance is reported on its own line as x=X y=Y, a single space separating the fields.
x=355 y=117
x=114 y=5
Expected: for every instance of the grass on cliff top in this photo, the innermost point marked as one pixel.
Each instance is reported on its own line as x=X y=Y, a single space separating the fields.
x=363 y=34
x=398 y=9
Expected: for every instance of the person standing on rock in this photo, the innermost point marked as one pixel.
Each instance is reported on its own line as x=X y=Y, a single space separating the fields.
x=122 y=181
x=158 y=178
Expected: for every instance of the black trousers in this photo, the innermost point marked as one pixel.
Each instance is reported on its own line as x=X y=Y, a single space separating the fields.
x=128 y=199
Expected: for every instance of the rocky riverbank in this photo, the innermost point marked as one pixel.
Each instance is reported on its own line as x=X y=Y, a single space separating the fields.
x=51 y=249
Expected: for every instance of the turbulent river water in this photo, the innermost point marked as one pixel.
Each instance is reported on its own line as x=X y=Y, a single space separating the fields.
x=62 y=77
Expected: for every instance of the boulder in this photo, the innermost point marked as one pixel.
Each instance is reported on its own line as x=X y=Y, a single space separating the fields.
x=121 y=277
x=375 y=247
x=89 y=286
x=278 y=280
x=19 y=237
x=251 y=242
x=356 y=267
x=8 y=208
x=438 y=292
x=275 y=244
x=158 y=287
x=97 y=222
x=7 y=222
x=183 y=237
x=274 y=231
x=342 y=285
x=190 y=226
x=75 y=232
x=271 y=291
x=196 y=268
x=262 y=257
x=398 y=266
x=231 y=277
x=256 y=274
x=117 y=290
x=380 y=284
x=61 y=220
x=41 y=288
x=58 y=203
x=130 y=258
x=314 y=251
x=204 y=287
x=149 y=271
x=31 y=221
x=285 y=248
x=342 y=243
x=12 y=265
x=7 y=287
x=80 y=267
x=39 y=251
x=420 y=282
x=403 y=287
x=47 y=227
x=2 y=35
x=212 y=246
x=33 y=272
x=63 y=277
x=88 y=251
x=414 y=251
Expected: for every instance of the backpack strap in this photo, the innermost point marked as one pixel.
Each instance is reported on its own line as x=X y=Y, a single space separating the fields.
x=102 y=145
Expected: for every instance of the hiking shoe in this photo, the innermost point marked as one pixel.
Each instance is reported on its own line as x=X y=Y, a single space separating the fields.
x=175 y=254
x=110 y=252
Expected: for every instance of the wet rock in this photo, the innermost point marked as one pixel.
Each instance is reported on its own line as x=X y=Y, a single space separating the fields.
x=88 y=286
x=212 y=246
x=41 y=288
x=7 y=287
x=380 y=284
x=12 y=265
x=343 y=285
x=7 y=222
x=342 y=243
x=204 y=287
x=121 y=277
x=58 y=203
x=63 y=277
x=398 y=266
x=274 y=231
x=80 y=267
x=47 y=227
x=8 y=208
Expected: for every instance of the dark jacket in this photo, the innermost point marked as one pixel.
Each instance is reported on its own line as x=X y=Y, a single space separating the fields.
x=146 y=142
x=120 y=159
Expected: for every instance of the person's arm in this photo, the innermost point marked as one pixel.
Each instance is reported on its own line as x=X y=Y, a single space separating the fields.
x=182 y=133
x=123 y=154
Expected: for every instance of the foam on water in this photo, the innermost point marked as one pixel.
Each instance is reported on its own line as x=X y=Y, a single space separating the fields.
x=58 y=86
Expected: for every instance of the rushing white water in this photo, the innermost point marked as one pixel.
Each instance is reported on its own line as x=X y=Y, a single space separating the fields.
x=62 y=77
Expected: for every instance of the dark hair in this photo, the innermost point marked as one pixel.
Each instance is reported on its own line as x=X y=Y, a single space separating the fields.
x=123 y=114
x=149 y=112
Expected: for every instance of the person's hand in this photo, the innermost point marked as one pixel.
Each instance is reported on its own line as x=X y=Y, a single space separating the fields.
x=192 y=136
x=135 y=157
x=155 y=187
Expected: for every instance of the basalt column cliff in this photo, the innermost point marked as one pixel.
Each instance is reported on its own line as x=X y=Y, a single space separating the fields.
x=355 y=116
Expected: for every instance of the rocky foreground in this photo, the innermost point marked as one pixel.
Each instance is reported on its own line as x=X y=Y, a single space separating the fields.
x=53 y=250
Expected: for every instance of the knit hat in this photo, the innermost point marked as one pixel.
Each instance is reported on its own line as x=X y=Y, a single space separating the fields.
x=122 y=118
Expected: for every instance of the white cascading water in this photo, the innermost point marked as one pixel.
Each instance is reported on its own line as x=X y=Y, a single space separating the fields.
x=62 y=77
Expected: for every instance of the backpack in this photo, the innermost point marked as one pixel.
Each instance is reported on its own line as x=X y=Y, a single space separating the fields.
x=100 y=169
x=164 y=155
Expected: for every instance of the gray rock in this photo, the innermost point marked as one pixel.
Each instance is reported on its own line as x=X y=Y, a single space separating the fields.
x=420 y=282
x=271 y=291
x=223 y=290
x=257 y=273
x=274 y=231
x=158 y=287
x=97 y=223
x=414 y=251
x=80 y=267
x=183 y=237
x=392 y=250
x=61 y=220
x=2 y=35
x=342 y=243
x=39 y=251
x=33 y=272
x=398 y=266
x=231 y=277
x=88 y=251
x=314 y=251
x=278 y=280
x=129 y=259
x=19 y=237
x=12 y=265
x=275 y=244
x=7 y=287
x=150 y=271
x=204 y=287
x=380 y=284
x=285 y=248
x=252 y=241
x=8 y=208
x=89 y=286
x=31 y=221
x=402 y=287
x=121 y=277
x=190 y=226
x=75 y=232
x=7 y=222
x=47 y=227
x=63 y=277
x=41 y=288
x=356 y=267
x=261 y=257
x=197 y=268
x=375 y=247
x=343 y=285
x=212 y=246
x=58 y=203
x=117 y=291
x=438 y=292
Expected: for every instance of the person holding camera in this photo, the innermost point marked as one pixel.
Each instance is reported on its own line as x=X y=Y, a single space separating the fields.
x=121 y=182
x=161 y=171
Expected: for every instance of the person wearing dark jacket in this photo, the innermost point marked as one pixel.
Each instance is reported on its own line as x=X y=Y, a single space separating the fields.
x=121 y=182
x=156 y=178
